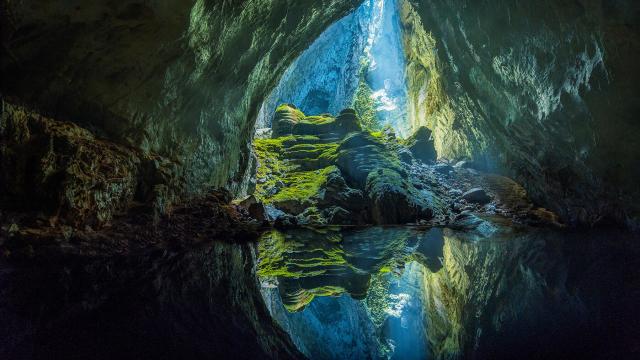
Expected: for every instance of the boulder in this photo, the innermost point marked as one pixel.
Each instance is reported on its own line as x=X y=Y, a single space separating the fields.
x=286 y=117
x=443 y=168
x=360 y=153
x=255 y=209
x=336 y=192
x=289 y=120
x=347 y=122
x=336 y=215
x=394 y=201
x=476 y=196
x=422 y=146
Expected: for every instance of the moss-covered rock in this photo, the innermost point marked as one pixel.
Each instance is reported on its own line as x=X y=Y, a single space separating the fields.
x=349 y=175
x=289 y=120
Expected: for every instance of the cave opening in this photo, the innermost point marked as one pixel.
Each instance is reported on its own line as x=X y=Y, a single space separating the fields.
x=358 y=62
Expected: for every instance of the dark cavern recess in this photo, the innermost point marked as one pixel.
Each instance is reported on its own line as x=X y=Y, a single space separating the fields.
x=319 y=178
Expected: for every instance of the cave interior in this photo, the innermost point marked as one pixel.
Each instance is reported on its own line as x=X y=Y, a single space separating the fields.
x=323 y=179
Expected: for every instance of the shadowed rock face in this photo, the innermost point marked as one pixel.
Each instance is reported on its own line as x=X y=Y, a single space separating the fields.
x=545 y=90
x=181 y=78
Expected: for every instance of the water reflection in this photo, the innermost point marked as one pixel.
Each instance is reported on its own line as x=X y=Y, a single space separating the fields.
x=408 y=293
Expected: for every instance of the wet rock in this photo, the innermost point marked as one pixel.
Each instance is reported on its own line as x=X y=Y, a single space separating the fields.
x=311 y=216
x=337 y=192
x=443 y=168
x=477 y=196
x=455 y=192
x=255 y=209
x=285 y=221
x=336 y=215
x=405 y=155
x=360 y=154
x=394 y=201
x=272 y=213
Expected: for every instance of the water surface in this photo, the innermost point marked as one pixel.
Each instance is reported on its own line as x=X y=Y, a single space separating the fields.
x=410 y=293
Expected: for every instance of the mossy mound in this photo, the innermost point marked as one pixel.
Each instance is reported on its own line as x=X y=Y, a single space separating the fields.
x=327 y=170
x=289 y=120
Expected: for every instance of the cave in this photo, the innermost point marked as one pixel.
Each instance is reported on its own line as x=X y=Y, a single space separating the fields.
x=321 y=179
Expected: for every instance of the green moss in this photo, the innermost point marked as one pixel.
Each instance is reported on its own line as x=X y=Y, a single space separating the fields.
x=288 y=258
x=302 y=185
x=318 y=120
x=288 y=108
x=297 y=165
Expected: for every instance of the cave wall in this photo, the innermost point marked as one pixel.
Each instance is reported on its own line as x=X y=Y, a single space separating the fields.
x=183 y=79
x=546 y=91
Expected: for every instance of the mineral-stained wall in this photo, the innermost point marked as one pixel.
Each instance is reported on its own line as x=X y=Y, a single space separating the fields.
x=545 y=89
x=183 y=79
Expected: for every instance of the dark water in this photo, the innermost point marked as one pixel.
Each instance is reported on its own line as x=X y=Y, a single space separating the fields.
x=406 y=293
x=400 y=293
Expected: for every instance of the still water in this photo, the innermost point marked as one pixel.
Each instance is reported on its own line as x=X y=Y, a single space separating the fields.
x=410 y=293
x=331 y=293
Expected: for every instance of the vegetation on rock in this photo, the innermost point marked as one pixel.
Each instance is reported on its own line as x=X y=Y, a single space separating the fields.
x=333 y=171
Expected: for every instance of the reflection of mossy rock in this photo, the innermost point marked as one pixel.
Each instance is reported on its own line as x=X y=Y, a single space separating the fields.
x=421 y=145
x=329 y=261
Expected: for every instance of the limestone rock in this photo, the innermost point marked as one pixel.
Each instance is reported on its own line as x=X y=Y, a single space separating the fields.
x=421 y=145
x=476 y=195
x=63 y=169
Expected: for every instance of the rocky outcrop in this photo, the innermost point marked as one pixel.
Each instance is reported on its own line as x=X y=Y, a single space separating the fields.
x=289 y=120
x=373 y=166
x=328 y=170
x=421 y=145
x=68 y=175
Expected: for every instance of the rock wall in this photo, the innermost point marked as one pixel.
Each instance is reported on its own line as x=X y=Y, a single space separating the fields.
x=182 y=79
x=544 y=90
